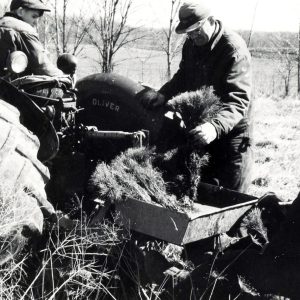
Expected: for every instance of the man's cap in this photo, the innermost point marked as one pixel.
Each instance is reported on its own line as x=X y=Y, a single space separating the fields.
x=190 y=13
x=31 y=4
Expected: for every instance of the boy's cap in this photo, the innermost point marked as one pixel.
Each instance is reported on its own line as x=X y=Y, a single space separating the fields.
x=31 y=4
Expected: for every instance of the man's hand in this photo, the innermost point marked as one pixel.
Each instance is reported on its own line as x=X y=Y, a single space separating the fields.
x=203 y=134
x=152 y=99
x=159 y=101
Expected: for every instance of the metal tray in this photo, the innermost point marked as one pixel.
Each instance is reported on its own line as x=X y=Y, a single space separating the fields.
x=218 y=211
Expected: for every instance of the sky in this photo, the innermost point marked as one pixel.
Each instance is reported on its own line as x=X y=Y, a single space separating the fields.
x=265 y=15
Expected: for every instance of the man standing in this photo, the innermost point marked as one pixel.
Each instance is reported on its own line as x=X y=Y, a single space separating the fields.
x=18 y=32
x=217 y=57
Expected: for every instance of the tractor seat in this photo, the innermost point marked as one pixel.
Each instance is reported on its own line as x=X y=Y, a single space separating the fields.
x=45 y=86
x=33 y=81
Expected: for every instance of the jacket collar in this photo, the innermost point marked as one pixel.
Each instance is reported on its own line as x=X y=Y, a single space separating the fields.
x=11 y=21
x=11 y=14
x=217 y=34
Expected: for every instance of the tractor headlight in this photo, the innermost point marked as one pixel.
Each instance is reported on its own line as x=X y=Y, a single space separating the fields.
x=17 y=62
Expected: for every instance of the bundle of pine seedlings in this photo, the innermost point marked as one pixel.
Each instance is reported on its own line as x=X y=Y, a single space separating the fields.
x=196 y=107
x=132 y=175
x=180 y=161
x=168 y=175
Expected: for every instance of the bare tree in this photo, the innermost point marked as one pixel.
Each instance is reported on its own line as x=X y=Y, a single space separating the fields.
x=286 y=68
x=57 y=31
x=69 y=29
x=252 y=24
x=64 y=27
x=143 y=60
x=44 y=27
x=286 y=55
x=172 y=43
x=110 y=32
x=75 y=33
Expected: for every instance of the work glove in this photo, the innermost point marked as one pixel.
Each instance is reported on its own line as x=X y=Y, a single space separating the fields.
x=203 y=134
x=152 y=99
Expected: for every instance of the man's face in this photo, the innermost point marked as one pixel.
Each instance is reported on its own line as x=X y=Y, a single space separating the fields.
x=202 y=35
x=30 y=16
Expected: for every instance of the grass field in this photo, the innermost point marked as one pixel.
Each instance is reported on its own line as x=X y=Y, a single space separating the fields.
x=276 y=136
x=276 y=122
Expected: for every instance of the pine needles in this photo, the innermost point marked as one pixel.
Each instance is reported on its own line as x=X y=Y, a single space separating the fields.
x=132 y=175
x=196 y=107
x=255 y=228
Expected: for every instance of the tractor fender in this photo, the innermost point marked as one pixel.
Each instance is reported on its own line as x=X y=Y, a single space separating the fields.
x=33 y=118
x=111 y=102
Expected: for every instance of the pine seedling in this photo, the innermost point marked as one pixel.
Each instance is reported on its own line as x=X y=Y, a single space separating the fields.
x=246 y=287
x=132 y=175
x=196 y=107
x=254 y=225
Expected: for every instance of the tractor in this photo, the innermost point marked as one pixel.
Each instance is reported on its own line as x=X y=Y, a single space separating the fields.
x=63 y=120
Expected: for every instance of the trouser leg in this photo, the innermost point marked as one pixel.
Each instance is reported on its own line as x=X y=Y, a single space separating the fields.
x=230 y=163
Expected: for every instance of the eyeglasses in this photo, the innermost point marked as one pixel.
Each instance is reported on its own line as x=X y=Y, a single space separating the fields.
x=198 y=28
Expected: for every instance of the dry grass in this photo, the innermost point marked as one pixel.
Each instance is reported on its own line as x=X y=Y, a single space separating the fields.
x=73 y=264
x=276 y=147
x=13 y=216
x=76 y=263
x=20 y=218
x=11 y=277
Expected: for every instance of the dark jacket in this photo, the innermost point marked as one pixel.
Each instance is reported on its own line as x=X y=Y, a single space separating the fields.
x=16 y=34
x=225 y=64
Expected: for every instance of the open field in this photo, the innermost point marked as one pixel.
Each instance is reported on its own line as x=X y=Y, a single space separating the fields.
x=149 y=67
x=276 y=136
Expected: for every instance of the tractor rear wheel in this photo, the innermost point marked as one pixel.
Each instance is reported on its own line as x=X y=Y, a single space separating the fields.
x=19 y=166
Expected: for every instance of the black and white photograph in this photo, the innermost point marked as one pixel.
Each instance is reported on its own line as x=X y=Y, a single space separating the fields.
x=149 y=149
